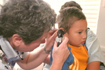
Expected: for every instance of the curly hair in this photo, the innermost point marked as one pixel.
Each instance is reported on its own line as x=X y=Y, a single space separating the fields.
x=68 y=16
x=71 y=4
x=27 y=18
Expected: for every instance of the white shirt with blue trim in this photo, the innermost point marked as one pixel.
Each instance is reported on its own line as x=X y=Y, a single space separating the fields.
x=8 y=56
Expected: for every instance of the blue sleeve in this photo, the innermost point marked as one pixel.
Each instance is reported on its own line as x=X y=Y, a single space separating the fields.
x=68 y=62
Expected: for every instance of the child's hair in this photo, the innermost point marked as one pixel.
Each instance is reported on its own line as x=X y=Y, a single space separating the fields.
x=68 y=16
x=71 y=4
x=27 y=18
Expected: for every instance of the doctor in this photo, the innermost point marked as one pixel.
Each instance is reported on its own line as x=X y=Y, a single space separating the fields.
x=24 y=25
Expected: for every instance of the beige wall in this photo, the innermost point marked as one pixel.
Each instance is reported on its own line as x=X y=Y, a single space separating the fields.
x=101 y=24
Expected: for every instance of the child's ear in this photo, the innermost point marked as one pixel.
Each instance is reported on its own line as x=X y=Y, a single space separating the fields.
x=17 y=40
x=66 y=35
x=62 y=29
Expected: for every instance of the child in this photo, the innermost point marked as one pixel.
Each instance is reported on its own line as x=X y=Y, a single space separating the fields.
x=94 y=51
x=95 y=54
x=72 y=21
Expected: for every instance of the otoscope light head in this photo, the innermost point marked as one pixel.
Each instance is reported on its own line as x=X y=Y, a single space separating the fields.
x=60 y=33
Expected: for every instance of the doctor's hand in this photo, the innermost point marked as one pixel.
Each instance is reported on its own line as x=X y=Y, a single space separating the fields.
x=61 y=53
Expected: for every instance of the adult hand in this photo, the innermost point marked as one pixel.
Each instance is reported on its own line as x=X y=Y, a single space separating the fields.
x=60 y=54
x=50 y=39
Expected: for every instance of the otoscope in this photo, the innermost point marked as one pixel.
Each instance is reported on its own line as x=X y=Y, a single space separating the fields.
x=60 y=34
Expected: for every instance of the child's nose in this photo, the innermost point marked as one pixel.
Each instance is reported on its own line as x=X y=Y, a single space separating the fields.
x=84 y=35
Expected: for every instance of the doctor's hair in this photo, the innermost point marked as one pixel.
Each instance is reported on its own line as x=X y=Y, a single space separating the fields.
x=68 y=16
x=27 y=18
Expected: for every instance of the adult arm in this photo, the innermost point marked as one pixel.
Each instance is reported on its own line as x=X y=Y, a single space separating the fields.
x=95 y=54
x=95 y=65
x=60 y=54
x=47 y=60
x=36 y=58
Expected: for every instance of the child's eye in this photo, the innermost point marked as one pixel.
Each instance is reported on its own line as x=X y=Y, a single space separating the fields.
x=79 y=32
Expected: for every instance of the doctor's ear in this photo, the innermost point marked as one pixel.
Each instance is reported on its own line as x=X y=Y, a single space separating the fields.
x=17 y=40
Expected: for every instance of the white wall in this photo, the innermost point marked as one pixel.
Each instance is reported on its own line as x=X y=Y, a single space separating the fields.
x=101 y=24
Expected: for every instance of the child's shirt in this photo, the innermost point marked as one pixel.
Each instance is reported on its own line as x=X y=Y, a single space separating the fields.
x=77 y=60
x=80 y=55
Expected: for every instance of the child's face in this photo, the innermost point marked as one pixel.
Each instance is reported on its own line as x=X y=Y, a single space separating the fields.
x=77 y=33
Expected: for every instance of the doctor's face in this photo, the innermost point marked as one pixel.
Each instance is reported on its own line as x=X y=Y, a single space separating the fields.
x=30 y=47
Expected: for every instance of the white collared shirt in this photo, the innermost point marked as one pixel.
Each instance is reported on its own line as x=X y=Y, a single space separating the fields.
x=10 y=54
